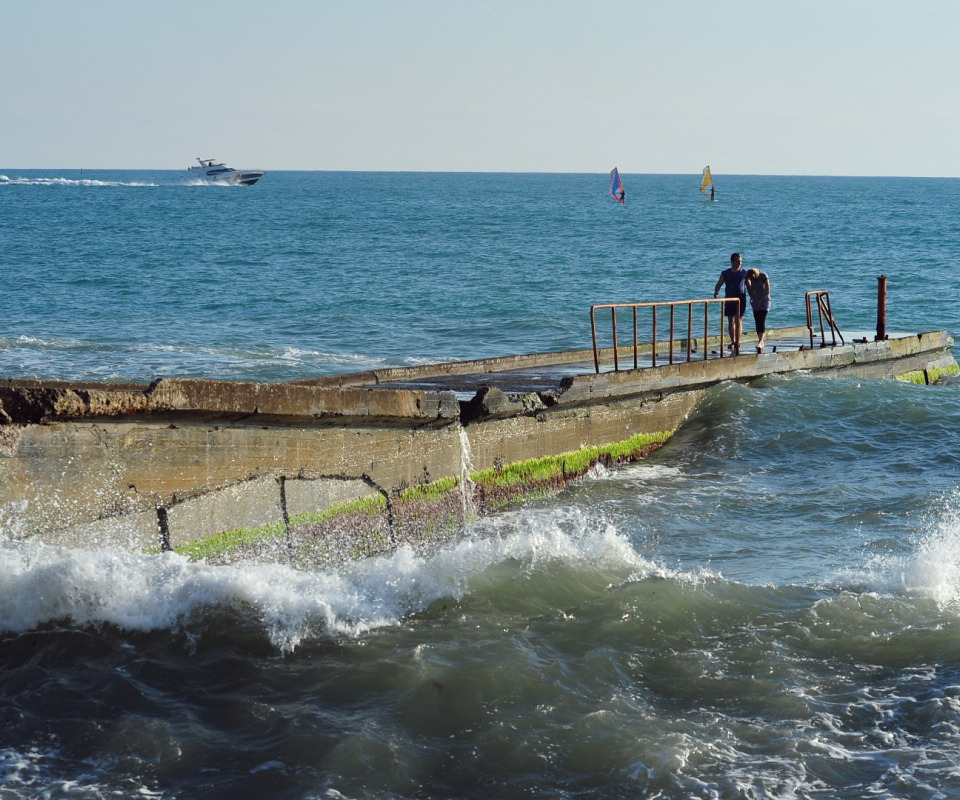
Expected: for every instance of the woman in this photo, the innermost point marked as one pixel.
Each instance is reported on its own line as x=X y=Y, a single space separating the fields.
x=758 y=286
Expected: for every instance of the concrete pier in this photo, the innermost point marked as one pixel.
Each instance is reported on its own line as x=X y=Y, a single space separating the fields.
x=182 y=459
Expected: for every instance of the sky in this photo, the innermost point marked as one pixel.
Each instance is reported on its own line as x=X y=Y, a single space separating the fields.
x=778 y=87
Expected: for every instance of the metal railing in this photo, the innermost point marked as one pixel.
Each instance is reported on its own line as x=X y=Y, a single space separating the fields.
x=654 y=338
x=823 y=308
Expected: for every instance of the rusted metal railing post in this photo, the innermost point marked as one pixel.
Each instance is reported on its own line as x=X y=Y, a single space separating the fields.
x=810 y=315
x=823 y=335
x=706 y=330
x=653 y=345
x=822 y=297
x=881 y=308
x=672 y=309
x=616 y=349
x=723 y=316
x=834 y=330
x=596 y=350
x=689 y=330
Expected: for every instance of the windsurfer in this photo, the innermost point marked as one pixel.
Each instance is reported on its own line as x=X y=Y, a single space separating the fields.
x=617 y=192
x=705 y=181
x=734 y=281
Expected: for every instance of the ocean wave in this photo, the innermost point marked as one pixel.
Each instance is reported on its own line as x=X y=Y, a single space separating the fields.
x=45 y=585
x=38 y=344
x=542 y=630
x=77 y=359
x=532 y=559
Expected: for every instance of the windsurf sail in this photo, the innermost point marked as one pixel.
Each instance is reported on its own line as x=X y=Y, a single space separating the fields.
x=616 y=186
x=706 y=182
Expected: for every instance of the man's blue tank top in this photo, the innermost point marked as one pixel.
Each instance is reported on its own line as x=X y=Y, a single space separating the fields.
x=734 y=282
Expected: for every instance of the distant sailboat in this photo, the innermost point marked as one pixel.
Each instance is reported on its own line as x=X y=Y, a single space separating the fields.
x=706 y=182
x=617 y=191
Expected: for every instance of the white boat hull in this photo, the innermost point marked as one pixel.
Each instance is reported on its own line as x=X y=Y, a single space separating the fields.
x=210 y=171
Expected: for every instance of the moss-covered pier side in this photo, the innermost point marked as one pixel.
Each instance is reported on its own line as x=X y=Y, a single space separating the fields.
x=182 y=460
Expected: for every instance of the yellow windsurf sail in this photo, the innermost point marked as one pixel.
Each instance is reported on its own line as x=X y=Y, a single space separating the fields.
x=706 y=182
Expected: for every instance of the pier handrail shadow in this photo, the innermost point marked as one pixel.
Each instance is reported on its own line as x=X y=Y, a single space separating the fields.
x=672 y=305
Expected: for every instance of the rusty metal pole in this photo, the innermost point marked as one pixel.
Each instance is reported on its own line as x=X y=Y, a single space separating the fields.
x=672 y=308
x=616 y=347
x=706 y=329
x=163 y=529
x=653 y=348
x=881 y=308
x=593 y=328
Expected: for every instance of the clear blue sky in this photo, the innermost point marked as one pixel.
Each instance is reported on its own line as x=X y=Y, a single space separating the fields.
x=824 y=87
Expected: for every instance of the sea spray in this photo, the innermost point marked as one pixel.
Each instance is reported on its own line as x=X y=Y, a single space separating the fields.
x=934 y=568
x=43 y=584
x=467 y=486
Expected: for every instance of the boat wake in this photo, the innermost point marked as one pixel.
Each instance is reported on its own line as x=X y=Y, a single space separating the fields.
x=86 y=182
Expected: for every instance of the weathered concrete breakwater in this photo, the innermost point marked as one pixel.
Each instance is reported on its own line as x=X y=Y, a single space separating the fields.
x=181 y=460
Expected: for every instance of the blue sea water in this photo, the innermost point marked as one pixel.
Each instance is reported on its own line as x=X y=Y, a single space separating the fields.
x=767 y=607
x=121 y=275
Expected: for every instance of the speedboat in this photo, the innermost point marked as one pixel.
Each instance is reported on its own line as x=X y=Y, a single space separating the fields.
x=215 y=171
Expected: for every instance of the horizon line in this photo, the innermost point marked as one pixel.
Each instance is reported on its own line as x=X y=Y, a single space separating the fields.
x=499 y=172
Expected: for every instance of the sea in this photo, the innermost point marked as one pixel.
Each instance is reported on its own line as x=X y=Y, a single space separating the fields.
x=766 y=607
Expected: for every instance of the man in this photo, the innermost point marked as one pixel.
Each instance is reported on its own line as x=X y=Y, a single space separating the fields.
x=734 y=281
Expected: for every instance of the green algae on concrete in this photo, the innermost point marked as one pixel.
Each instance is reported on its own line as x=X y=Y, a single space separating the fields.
x=417 y=515
x=928 y=376
x=217 y=546
x=534 y=477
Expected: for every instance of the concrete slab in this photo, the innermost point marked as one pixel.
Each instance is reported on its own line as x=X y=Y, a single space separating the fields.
x=212 y=454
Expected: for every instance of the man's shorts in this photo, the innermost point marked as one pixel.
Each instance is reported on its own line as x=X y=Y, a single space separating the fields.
x=730 y=310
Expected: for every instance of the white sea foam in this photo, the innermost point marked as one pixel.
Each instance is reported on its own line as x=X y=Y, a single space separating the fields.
x=43 y=584
x=85 y=360
x=319 y=360
x=40 y=773
x=934 y=568
x=212 y=184
x=643 y=474
x=6 y=180
x=930 y=569
x=32 y=342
